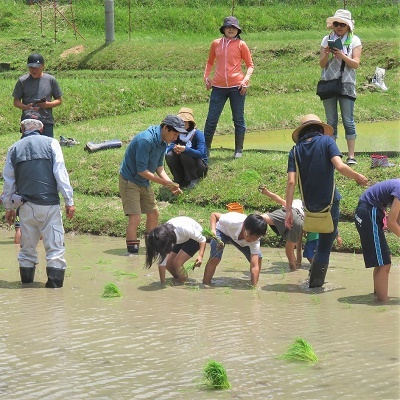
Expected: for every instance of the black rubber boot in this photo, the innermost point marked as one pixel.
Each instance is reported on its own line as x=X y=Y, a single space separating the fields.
x=317 y=274
x=27 y=274
x=132 y=246
x=55 y=277
x=209 y=140
x=239 y=140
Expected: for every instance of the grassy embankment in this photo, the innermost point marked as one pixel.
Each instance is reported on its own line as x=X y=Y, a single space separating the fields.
x=118 y=90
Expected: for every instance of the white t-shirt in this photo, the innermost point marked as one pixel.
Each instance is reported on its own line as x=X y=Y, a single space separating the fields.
x=231 y=224
x=187 y=228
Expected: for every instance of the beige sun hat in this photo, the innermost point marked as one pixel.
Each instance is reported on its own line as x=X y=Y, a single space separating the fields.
x=311 y=119
x=341 y=16
x=186 y=114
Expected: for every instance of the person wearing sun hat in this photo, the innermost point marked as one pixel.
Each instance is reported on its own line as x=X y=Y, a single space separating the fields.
x=228 y=81
x=332 y=62
x=317 y=157
x=38 y=91
x=186 y=156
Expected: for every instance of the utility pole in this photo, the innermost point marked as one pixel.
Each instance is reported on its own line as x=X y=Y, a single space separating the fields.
x=109 y=17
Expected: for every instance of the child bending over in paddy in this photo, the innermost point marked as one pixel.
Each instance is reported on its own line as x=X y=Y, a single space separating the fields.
x=244 y=232
x=174 y=243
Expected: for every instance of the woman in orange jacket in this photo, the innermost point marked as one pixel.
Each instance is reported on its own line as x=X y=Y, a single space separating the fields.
x=228 y=81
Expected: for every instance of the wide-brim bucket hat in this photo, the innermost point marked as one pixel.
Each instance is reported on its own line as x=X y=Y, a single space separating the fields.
x=343 y=16
x=186 y=114
x=311 y=119
x=231 y=21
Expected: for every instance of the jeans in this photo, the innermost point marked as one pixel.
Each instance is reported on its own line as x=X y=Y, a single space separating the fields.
x=48 y=130
x=326 y=240
x=218 y=98
x=347 y=112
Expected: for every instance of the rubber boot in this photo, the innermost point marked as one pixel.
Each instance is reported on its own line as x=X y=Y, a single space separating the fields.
x=27 y=274
x=55 y=277
x=238 y=146
x=317 y=274
x=209 y=140
x=133 y=246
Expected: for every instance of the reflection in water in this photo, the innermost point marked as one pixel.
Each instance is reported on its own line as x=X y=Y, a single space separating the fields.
x=153 y=343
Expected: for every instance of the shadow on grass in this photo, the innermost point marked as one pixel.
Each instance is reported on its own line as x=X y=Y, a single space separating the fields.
x=368 y=299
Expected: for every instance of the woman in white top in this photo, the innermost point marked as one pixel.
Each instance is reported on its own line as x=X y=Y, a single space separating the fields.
x=174 y=243
x=331 y=61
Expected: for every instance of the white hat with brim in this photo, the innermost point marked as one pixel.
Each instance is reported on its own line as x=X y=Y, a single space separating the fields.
x=343 y=16
x=311 y=119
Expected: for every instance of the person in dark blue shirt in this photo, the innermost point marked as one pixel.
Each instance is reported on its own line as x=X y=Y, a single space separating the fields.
x=317 y=156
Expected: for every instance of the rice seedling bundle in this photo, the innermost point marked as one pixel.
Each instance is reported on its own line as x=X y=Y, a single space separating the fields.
x=214 y=376
x=300 y=350
x=207 y=233
x=189 y=267
x=111 y=290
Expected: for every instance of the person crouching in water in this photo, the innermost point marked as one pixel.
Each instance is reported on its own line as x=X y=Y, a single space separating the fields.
x=244 y=232
x=174 y=243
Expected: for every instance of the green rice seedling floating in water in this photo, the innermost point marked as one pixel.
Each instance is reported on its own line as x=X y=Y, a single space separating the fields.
x=214 y=376
x=300 y=350
x=111 y=290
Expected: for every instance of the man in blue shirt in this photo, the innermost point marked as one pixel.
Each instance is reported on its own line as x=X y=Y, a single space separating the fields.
x=143 y=162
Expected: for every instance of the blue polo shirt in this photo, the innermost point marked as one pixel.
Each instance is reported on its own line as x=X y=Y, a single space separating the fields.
x=316 y=169
x=146 y=151
x=381 y=194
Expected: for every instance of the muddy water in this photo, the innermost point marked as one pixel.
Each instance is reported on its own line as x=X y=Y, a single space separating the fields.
x=152 y=343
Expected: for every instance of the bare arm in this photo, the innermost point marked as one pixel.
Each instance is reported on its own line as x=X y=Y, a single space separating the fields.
x=254 y=269
x=290 y=185
x=273 y=196
x=346 y=171
x=199 y=258
x=214 y=218
x=393 y=218
x=354 y=61
x=162 y=178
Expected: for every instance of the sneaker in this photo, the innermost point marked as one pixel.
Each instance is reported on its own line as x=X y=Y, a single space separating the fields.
x=351 y=161
x=192 y=184
x=238 y=154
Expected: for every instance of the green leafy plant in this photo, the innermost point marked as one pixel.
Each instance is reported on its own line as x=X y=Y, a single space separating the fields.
x=111 y=290
x=214 y=376
x=300 y=350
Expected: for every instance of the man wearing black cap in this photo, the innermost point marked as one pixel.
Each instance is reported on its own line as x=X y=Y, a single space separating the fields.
x=144 y=162
x=38 y=91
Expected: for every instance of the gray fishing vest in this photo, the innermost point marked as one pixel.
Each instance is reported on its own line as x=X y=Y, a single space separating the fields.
x=32 y=159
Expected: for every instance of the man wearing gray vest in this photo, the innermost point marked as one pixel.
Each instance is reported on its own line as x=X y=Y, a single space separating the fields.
x=35 y=173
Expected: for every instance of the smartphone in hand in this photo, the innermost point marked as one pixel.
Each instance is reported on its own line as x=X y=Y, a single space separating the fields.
x=335 y=44
x=42 y=100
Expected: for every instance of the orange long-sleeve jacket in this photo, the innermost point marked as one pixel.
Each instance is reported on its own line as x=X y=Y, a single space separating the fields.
x=228 y=54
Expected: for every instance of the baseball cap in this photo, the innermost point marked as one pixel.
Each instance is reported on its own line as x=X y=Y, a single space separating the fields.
x=175 y=122
x=35 y=60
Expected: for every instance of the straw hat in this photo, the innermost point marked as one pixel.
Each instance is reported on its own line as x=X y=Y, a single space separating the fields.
x=341 y=16
x=311 y=119
x=186 y=114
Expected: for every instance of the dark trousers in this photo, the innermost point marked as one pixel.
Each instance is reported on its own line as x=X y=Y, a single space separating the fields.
x=185 y=168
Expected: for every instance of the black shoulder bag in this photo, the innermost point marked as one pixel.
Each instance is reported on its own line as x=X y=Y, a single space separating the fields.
x=331 y=88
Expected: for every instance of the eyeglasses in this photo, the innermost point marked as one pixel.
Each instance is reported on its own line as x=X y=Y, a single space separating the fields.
x=339 y=24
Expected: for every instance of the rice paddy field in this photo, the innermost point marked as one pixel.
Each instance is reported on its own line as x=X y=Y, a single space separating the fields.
x=154 y=343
